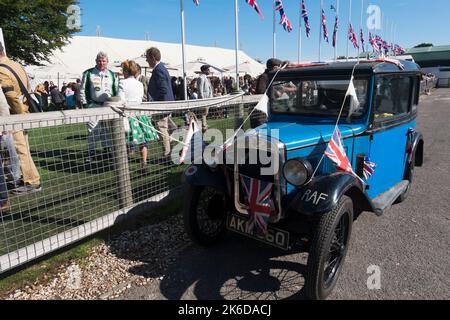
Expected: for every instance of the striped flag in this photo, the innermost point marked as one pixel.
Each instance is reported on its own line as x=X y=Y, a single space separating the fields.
x=284 y=19
x=306 y=19
x=363 y=42
x=369 y=168
x=374 y=43
x=255 y=6
x=336 y=153
x=352 y=37
x=336 y=28
x=324 y=25
x=197 y=2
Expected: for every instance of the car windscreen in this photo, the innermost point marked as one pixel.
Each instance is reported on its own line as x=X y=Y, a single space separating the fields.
x=318 y=97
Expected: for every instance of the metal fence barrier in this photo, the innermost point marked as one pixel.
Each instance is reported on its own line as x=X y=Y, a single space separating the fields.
x=83 y=193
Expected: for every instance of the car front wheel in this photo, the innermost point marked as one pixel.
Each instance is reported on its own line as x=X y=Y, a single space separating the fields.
x=329 y=249
x=205 y=215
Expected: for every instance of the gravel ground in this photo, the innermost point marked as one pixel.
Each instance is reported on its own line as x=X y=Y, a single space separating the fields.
x=111 y=268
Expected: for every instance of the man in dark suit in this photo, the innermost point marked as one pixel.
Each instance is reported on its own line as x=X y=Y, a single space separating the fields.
x=160 y=89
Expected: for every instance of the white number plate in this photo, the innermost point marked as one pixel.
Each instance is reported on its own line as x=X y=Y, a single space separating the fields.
x=275 y=237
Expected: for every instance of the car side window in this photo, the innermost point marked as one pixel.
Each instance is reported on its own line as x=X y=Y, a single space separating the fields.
x=393 y=96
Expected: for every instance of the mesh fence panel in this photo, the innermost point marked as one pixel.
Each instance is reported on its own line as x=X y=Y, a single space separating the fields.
x=80 y=189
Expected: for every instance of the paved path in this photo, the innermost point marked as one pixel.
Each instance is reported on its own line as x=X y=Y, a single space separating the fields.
x=410 y=244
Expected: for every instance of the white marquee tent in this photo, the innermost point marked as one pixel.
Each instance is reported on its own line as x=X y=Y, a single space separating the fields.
x=80 y=54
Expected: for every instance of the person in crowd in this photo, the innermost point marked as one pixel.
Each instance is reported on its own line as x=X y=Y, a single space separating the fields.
x=4 y=203
x=160 y=89
x=77 y=94
x=131 y=90
x=205 y=91
x=69 y=93
x=144 y=80
x=97 y=85
x=45 y=95
x=37 y=95
x=57 y=98
x=12 y=76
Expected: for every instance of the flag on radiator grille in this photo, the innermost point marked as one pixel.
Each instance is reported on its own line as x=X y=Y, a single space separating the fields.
x=255 y=6
x=259 y=201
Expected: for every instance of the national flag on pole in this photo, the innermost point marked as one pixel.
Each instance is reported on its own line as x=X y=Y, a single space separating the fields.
x=197 y=2
x=284 y=19
x=258 y=194
x=363 y=42
x=306 y=19
x=255 y=6
x=352 y=37
x=336 y=28
x=374 y=43
x=369 y=168
x=336 y=153
x=399 y=50
x=324 y=25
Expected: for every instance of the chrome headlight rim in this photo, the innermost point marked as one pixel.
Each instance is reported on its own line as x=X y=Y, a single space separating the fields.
x=303 y=165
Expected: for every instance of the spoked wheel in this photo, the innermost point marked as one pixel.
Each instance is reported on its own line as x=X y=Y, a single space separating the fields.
x=328 y=250
x=205 y=215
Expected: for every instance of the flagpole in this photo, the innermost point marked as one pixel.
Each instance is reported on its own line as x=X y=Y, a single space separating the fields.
x=361 y=28
x=274 y=32
x=336 y=44
x=299 y=39
x=236 y=29
x=348 y=30
x=183 y=48
x=320 y=31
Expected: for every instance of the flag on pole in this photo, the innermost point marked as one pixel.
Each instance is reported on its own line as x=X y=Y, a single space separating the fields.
x=336 y=27
x=336 y=153
x=363 y=42
x=352 y=37
x=374 y=43
x=306 y=19
x=284 y=19
x=255 y=6
x=197 y=2
x=324 y=25
x=190 y=140
x=399 y=50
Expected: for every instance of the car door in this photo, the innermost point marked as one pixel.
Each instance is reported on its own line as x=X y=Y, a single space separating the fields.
x=393 y=119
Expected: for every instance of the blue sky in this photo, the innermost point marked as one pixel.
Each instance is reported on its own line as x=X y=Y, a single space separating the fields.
x=212 y=23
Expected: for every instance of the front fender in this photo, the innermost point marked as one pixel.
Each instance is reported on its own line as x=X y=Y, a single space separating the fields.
x=418 y=148
x=201 y=176
x=322 y=194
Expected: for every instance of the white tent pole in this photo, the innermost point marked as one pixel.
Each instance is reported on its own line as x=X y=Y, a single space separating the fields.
x=183 y=48
x=236 y=30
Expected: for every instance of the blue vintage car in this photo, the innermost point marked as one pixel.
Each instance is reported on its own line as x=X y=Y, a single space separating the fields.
x=306 y=199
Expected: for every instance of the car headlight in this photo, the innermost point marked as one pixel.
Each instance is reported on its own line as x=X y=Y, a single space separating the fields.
x=297 y=171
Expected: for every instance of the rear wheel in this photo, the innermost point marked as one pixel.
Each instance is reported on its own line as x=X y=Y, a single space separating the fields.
x=329 y=249
x=205 y=215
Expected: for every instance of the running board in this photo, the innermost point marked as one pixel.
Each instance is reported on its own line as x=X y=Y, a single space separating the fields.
x=384 y=201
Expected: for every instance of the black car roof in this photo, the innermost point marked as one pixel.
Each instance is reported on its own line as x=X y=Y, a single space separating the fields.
x=365 y=67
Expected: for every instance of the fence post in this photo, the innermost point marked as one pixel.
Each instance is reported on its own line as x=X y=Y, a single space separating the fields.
x=240 y=114
x=119 y=149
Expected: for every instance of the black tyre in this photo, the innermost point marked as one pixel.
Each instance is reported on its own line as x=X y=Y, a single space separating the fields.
x=205 y=215
x=409 y=175
x=328 y=250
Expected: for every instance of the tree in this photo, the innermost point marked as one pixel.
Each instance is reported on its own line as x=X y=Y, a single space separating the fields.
x=33 y=29
x=424 y=45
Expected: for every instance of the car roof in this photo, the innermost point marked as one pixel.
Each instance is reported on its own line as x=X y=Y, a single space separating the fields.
x=364 y=67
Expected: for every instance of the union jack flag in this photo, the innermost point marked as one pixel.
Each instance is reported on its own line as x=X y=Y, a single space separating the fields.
x=374 y=43
x=284 y=19
x=305 y=17
x=352 y=37
x=324 y=24
x=369 y=168
x=259 y=200
x=336 y=28
x=363 y=42
x=255 y=6
x=336 y=152
x=399 y=50
x=197 y=2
